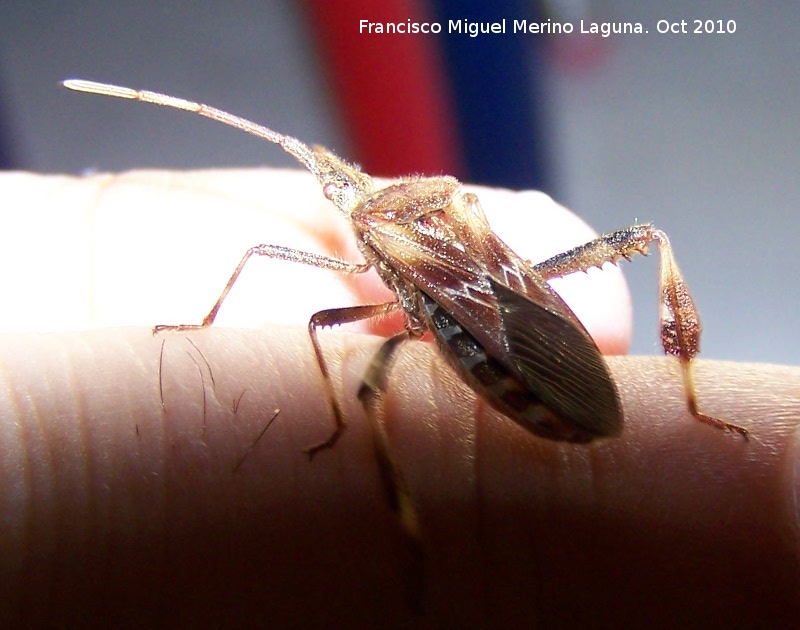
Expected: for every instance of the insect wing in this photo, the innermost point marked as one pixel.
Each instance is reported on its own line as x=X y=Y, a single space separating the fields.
x=559 y=363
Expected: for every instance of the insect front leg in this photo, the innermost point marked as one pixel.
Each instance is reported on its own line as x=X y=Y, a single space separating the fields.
x=680 y=322
x=270 y=251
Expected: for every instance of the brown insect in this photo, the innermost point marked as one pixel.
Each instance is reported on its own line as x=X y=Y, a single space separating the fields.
x=492 y=314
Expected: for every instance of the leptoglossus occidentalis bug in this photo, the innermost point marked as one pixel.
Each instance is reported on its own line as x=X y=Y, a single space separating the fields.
x=493 y=315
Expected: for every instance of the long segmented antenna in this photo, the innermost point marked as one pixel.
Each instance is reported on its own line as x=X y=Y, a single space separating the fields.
x=350 y=185
x=291 y=145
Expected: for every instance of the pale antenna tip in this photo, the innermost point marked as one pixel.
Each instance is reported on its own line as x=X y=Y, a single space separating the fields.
x=93 y=87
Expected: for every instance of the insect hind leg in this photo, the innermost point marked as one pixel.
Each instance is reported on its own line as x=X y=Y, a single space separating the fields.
x=373 y=386
x=680 y=322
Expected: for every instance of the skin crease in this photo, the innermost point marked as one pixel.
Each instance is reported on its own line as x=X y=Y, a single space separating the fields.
x=125 y=496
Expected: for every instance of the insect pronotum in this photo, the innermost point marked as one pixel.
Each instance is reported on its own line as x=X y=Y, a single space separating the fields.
x=493 y=315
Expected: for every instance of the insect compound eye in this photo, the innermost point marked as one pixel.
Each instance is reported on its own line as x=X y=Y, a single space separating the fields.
x=330 y=189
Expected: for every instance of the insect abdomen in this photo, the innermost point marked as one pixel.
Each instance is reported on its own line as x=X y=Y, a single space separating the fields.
x=491 y=379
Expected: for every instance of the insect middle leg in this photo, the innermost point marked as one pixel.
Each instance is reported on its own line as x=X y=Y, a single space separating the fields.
x=680 y=322
x=319 y=320
x=335 y=317
x=393 y=480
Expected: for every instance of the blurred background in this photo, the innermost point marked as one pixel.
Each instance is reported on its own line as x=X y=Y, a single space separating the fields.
x=699 y=133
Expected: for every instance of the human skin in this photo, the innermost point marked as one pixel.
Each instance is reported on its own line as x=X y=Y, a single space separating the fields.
x=134 y=488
